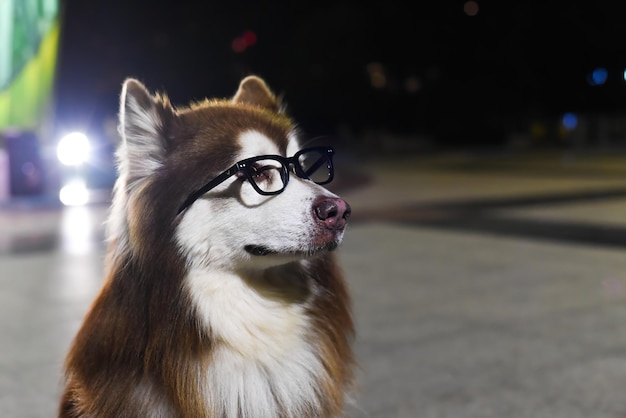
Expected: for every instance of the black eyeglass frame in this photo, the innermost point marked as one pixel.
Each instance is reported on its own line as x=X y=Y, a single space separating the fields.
x=247 y=165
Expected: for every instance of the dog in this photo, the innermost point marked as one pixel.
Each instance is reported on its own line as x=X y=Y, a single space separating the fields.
x=222 y=296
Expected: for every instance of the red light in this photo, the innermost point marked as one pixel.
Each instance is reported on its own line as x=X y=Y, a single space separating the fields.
x=238 y=45
x=244 y=41
x=471 y=8
x=249 y=38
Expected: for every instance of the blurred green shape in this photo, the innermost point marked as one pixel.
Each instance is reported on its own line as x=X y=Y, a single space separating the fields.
x=29 y=35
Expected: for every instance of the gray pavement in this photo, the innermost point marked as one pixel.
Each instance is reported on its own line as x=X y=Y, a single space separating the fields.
x=472 y=295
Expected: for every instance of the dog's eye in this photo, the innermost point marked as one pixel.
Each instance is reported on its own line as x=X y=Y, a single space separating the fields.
x=263 y=173
x=266 y=175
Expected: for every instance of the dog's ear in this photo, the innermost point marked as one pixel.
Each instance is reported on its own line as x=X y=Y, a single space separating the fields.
x=254 y=91
x=144 y=123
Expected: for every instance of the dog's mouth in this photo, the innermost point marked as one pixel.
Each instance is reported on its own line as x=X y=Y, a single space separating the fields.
x=258 y=250
x=261 y=250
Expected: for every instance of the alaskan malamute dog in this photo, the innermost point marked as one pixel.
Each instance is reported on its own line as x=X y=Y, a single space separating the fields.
x=222 y=297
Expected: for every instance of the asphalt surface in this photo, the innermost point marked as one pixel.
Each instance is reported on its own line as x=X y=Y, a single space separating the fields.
x=483 y=286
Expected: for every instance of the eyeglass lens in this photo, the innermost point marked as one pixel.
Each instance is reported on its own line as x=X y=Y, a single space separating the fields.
x=315 y=165
x=268 y=175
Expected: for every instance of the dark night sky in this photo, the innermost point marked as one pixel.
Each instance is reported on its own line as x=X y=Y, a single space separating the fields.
x=444 y=72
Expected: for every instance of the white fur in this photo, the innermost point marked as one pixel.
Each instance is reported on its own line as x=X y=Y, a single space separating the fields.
x=293 y=145
x=263 y=350
x=144 y=152
x=139 y=155
x=145 y=396
x=254 y=143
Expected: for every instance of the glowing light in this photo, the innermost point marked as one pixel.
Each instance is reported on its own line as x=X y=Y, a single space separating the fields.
x=74 y=194
x=73 y=149
x=77 y=231
x=569 y=121
x=237 y=45
x=598 y=76
x=624 y=75
x=471 y=8
x=376 y=71
x=244 y=41
x=248 y=38
x=412 y=84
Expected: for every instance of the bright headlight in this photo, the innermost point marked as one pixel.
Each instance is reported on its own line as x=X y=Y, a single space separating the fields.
x=74 y=194
x=73 y=149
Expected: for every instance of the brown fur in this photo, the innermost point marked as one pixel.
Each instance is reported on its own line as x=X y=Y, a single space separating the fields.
x=141 y=346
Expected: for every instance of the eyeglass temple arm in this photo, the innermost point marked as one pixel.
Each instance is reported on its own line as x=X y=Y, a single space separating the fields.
x=317 y=165
x=217 y=180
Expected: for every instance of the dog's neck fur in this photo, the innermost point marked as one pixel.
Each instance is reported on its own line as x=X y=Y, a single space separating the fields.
x=265 y=363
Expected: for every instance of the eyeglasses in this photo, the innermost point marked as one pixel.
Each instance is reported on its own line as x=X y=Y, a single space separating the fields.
x=269 y=174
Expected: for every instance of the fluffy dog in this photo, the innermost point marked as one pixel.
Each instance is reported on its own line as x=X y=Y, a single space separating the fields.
x=222 y=297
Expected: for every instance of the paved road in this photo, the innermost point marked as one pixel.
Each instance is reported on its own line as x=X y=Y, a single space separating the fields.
x=490 y=286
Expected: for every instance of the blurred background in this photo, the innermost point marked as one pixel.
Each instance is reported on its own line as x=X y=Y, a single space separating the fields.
x=382 y=77
x=481 y=145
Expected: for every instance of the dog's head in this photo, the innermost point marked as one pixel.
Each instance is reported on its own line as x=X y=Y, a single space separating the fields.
x=189 y=177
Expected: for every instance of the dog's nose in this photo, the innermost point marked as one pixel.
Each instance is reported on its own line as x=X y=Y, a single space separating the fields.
x=333 y=211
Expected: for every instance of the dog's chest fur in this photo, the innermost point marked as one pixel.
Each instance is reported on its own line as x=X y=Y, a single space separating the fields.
x=263 y=360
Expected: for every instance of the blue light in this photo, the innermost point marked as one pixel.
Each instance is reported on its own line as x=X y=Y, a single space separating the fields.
x=598 y=76
x=569 y=121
